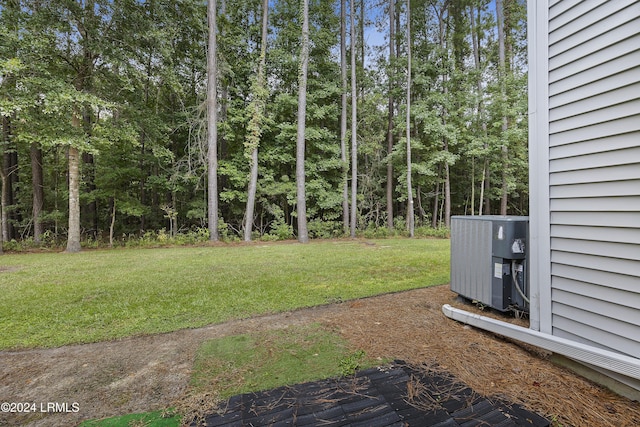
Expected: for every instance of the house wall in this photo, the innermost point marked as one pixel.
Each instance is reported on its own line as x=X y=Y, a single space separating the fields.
x=585 y=172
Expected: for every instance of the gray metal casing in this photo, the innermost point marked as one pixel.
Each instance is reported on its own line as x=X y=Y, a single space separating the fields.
x=482 y=248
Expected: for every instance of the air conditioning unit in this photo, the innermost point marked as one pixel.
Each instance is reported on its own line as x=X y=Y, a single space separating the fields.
x=489 y=260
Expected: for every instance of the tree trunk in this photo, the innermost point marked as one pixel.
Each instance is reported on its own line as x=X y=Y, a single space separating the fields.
x=91 y=209
x=9 y=162
x=174 y=216
x=11 y=12
x=343 y=116
x=391 y=77
x=84 y=83
x=421 y=212
x=484 y=202
x=475 y=36
x=447 y=196
x=354 y=124
x=505 y=187
x=212 y=124
x=410 y=213
x=224 y=97
x=142 y=185
x=447 y=182
x=255 y=125
x=6 y=193
x=446 y=78
x=56 y=189
x=3 y=207
x=481 y=201
x=436 y=199
x=10 y=166
x=301 y=197
x=37 y=185
x=73 y=236
x=251 y=195
x=14 y=186
x=81 y=121
x=113 y=221
x=486 y=188
x=501 y=77
x=362 y=46
x=143 y=138
x=473 y=187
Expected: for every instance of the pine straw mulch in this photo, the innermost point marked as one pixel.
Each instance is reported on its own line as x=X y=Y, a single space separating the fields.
x=412 y=327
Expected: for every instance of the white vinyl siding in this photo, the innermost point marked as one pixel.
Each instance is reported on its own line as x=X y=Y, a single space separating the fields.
x=594 y=172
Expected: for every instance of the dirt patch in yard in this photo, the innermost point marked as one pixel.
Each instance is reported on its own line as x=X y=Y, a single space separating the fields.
x=152 y=372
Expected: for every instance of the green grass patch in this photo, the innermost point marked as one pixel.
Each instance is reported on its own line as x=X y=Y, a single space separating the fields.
x=53 y=299
x=261 y=361
x=150 y=419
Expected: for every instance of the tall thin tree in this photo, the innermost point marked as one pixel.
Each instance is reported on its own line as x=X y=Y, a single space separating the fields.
x=81 y=118
x=301 y=198
x=354 y=123
x=9 y=168
x=8 y=82
x=502 y=77
x=37 y=185
x=212 y=123
x=392 y=57
x=4 y=183
x=410 y=214
x=255 y=124
x=476 y=41
x=73 y=235
x=444 y=15
x=343 y=115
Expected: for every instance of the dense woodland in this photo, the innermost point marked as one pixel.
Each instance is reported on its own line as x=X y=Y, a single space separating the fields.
x=105 y=105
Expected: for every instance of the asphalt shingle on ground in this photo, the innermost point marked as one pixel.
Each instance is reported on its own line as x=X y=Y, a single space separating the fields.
x=395 y=395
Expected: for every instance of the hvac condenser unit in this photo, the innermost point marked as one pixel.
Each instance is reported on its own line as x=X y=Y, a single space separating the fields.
x=489 y=260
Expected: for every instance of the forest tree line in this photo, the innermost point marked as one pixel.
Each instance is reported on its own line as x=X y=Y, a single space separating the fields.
x=104 y=115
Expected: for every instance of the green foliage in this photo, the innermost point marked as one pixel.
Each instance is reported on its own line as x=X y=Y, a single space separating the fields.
x=441 y=232
x=281 y=231
x=148 y=239
x=374 y=232
x=12 y=245
x=325 y=229
x=351 y=363
x=127 y=86
x=161 y=238
x=399 y=223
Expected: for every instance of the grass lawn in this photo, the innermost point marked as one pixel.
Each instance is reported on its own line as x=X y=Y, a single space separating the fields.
x=53 y=299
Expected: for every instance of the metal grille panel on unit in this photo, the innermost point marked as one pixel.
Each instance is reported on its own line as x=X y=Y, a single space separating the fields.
x=489 y=260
